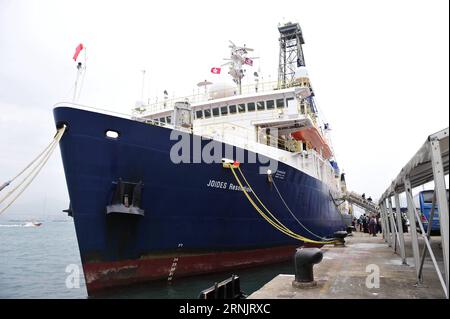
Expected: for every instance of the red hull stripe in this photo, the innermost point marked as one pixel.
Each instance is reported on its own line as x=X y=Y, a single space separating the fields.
x=102 y=275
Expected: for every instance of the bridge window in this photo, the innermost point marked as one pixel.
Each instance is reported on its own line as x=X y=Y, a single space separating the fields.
x=207 y=113
x=280 y=103
x=232 y=109
x=270 y=105
x=241 y=108
x=162 y=120
x=215 y=111
x=224 y=110
x=199 y=114
x=288 y=100
x=261 y=105
x=251 y=106
x=169 y=119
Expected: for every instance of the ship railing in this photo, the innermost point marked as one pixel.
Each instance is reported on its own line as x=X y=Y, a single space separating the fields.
x=158 y=123
x=232 y=130
x=253 y=136
x=168 y=103
x=218 y=121
x=103 y=110
x=310 y=160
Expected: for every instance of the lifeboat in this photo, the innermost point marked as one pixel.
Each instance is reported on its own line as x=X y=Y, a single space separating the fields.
x=312 y=135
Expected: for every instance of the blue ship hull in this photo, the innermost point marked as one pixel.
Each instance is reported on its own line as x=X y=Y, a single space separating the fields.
x=188 y=227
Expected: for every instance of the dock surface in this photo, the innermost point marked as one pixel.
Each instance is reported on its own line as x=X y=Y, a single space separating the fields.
x=342 y=273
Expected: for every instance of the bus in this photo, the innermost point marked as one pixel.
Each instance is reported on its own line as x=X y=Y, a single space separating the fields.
x=423 y=201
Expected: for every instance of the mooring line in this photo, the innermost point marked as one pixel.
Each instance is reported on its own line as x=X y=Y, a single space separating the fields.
x=274 y=222
x=35 y=171
x=293 y=215
x=27 y=167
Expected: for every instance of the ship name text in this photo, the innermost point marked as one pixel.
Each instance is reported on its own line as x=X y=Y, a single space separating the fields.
x=225 y=185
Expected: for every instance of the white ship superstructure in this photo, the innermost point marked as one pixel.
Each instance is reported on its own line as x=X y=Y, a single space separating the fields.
x=277 y=119
x=263 y=122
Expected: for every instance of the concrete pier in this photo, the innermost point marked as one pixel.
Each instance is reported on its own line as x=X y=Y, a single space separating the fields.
x=344 y=272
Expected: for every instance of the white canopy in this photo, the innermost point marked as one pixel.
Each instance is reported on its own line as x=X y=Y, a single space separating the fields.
x=419 y=169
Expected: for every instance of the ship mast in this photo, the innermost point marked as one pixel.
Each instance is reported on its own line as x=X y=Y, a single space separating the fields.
x=237 y=61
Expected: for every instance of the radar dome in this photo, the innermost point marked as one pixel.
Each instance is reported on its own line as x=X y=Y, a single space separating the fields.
x=221 y=90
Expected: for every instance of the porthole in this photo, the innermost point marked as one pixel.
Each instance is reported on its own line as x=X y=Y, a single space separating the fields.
x=112 y=134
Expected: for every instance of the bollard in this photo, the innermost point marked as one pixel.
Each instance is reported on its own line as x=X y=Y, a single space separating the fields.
x=340 y=235
x=350 y=230
x=304 y=260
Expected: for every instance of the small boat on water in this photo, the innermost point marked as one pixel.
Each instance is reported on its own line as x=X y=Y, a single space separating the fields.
x=32 y=224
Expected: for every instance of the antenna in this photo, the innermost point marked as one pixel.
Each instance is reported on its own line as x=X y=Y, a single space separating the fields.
x=166 y=97
x=139 y=106
x=205 y=84
x=143 y=85
x=80 y=74
x=237 y=61
x=148 y=89
x=79 y=70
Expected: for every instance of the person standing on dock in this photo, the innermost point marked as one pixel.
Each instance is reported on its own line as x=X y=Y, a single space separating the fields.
x=372 y=226
x=365 y=223
x=379 y=229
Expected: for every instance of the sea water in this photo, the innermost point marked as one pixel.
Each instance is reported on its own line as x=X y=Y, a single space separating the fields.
x=39 y=262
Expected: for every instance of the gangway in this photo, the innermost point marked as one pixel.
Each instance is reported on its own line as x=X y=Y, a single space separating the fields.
x=362 y=202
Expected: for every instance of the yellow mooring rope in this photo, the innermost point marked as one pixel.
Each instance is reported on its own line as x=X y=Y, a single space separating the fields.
x=39 y=162
x=273 y=220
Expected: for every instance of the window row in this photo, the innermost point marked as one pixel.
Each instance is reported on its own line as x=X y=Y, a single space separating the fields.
x=242 y=108
x=166 y=119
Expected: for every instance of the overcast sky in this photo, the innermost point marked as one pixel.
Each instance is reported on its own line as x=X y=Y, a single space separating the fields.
x=380 y=70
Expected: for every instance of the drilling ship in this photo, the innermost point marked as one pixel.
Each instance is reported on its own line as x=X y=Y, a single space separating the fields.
x=233 y=177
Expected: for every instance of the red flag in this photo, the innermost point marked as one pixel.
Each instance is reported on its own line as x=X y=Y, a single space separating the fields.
x=77 y=51
x=215 y=70
x=248 y=61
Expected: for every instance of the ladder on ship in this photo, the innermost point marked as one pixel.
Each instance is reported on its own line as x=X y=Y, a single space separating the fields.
x=362 y=202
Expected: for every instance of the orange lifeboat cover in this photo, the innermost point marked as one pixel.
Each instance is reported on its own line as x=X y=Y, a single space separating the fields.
x=313 y=136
